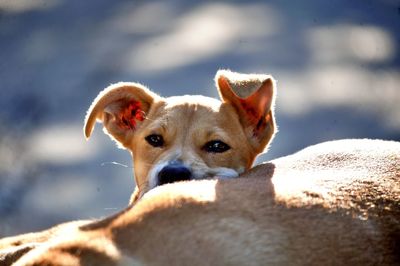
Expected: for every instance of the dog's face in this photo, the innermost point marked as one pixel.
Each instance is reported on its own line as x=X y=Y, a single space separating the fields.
x=188 y=137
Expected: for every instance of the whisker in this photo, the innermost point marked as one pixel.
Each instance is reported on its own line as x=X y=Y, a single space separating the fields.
x=110 y=209
x=116 y=163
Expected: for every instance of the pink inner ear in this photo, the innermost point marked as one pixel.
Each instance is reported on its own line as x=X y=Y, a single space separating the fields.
x=257 y=107
x=258 y=104
x=130 y=114
x=252 y=111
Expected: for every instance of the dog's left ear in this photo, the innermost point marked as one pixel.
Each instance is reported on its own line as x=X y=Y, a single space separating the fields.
x=253 y=97
x=122 y=108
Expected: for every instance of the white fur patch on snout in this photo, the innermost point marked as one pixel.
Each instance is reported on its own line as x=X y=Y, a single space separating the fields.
x=226 y=173
x=218 y=172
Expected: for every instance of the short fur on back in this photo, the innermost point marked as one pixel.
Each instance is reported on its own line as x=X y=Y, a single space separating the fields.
x=335 y=203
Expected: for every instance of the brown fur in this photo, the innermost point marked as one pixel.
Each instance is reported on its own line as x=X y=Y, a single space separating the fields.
x=335 y=203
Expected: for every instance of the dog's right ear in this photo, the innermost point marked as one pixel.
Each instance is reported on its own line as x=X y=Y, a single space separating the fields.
x=253 y=96
x=121 y=108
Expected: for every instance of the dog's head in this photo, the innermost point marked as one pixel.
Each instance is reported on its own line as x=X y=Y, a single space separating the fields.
x=188 y=137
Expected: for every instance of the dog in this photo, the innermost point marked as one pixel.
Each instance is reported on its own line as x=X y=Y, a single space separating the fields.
x=188 y=137
x=335 y=203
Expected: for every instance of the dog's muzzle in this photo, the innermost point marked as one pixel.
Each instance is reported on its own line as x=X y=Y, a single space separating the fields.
x=173 y=172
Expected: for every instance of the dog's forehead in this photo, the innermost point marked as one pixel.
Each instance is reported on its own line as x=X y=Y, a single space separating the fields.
x=190 y=111
x=190 y=101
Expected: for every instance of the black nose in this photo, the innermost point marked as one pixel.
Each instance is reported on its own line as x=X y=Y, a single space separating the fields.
x=174 y=172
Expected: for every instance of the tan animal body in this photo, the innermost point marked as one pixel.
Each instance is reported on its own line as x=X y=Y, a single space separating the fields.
x=336 y=203
x=188 y=137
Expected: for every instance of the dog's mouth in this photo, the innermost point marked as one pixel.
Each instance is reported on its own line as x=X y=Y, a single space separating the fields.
x=177 y=171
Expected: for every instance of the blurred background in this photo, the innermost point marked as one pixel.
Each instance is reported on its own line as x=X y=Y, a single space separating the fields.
x=337 y=64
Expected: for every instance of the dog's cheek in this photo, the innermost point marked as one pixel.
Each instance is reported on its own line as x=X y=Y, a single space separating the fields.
x=141 y=169
x=145 y=157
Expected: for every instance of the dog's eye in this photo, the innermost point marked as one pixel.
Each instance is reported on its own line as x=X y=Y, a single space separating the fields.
x=155 y=140
x=216 y=146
